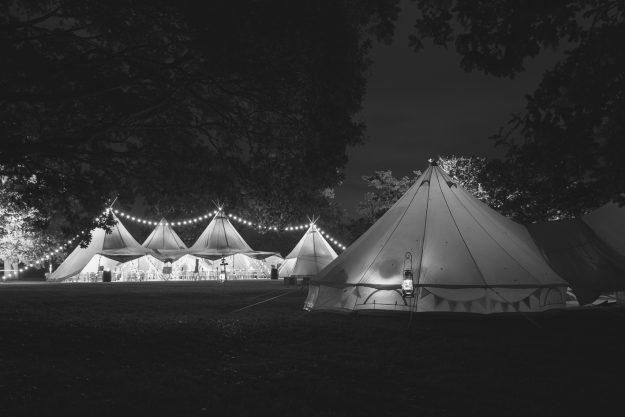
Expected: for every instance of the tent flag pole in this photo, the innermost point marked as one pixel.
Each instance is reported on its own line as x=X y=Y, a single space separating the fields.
x=114 y=201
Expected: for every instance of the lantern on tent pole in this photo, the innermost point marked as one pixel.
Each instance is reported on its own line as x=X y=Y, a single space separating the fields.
x=407 y=284
x=223 y=275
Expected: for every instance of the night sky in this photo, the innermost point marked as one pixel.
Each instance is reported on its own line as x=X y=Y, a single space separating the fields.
x=423 y=104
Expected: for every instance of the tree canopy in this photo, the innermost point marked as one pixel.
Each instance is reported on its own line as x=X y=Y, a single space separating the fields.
x=20 y=239
x=249 y=102
x=565 y=151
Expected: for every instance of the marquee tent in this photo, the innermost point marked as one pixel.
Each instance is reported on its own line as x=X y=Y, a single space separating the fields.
x=465 y=258
x=311 y=254
x=105 y=249
x=165 y=249
x=589 y=253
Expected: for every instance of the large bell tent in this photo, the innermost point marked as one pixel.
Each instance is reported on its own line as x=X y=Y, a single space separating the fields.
x=457 y=253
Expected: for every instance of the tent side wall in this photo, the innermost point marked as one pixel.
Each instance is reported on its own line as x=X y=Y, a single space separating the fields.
x=463 y=300
x=79 y=258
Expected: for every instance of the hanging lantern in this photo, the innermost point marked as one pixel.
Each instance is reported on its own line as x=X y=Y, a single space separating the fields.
x=407 y=284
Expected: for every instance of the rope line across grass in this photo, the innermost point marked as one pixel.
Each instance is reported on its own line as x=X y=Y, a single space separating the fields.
x=264 y=301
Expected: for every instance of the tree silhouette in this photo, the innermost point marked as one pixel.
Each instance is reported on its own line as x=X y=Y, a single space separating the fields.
x=181 y=103
x=565 y=152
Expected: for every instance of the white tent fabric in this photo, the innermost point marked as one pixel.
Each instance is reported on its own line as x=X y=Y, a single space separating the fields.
x=117 y=245
x=465 y=258
x=311 y=254
x=221 y=239
x=165 y=243
x=608 y=222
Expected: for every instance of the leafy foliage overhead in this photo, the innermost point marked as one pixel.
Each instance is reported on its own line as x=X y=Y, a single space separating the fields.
x=565 y=152
x=249 y=102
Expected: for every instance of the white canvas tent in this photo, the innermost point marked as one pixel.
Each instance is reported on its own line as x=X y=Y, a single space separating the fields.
x=311 y=254
x=465 y=258
x=220 y=239
x=165 y=243
x=105 y=249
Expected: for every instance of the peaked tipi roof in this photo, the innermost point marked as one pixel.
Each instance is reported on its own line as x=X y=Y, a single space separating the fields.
x=221 y=239
x=311 y=254
x=165 y=243
x=457 y=243
x=118 y=244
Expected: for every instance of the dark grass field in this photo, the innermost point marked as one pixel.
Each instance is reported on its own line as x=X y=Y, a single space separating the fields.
x=182 y=349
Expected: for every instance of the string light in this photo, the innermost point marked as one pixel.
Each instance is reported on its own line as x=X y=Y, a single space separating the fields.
x=183 y=222
x=233 y=217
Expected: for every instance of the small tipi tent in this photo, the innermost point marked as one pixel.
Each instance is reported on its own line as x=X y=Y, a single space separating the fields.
x=117 y=245
x=465 y=258
x=311 y=254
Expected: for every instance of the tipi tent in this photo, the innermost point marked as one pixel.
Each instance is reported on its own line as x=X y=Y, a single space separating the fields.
x=165 y=243
x=311 y=254
x=589 y=253
x=118 y=245
x=465 y=258
x=220 y=239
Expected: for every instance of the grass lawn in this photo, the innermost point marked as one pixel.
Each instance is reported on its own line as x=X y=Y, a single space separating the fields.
x=182 y=349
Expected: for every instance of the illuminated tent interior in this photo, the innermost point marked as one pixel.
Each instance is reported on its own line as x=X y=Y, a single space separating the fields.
x=461 y=256
x=311 y=254
x=167 y=259
x=245 y=267
x=589 y=253
x=105 y=251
